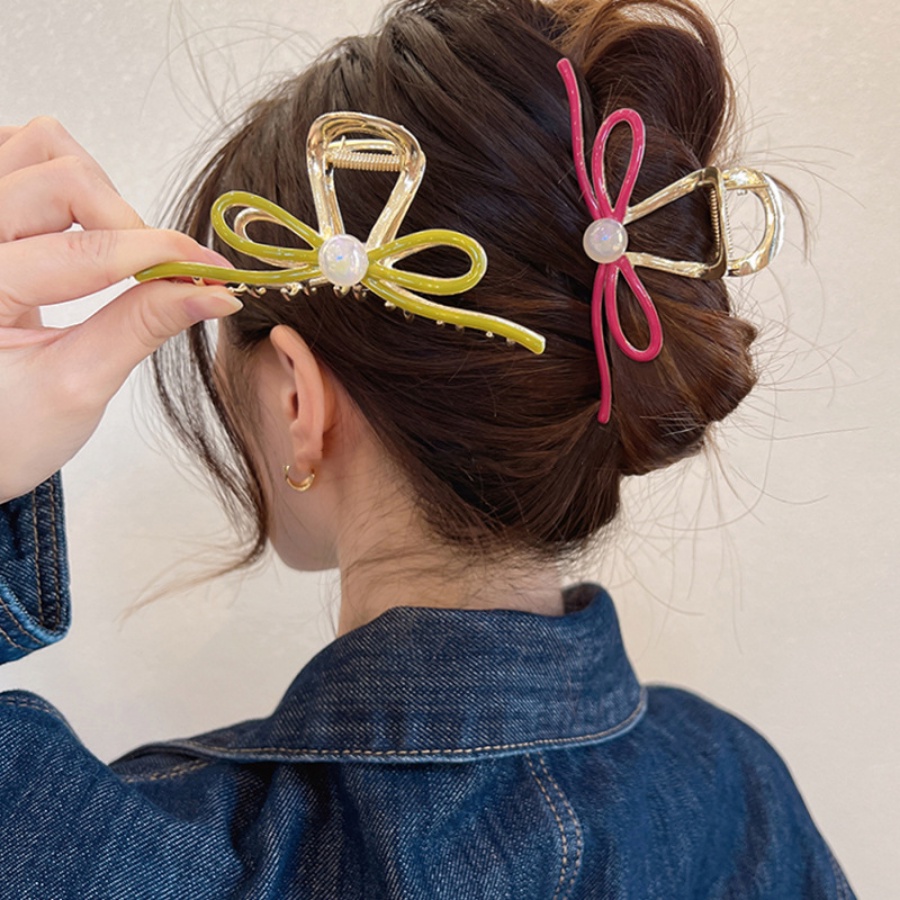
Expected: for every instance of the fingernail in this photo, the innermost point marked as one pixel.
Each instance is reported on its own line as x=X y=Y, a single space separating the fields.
x=212 y=306
x=216 y=259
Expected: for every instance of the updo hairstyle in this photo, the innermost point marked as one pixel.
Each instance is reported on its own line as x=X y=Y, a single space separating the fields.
x=500 y=447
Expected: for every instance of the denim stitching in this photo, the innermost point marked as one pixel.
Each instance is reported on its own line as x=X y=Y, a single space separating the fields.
x=562 y=830
x=632 y=718
x=20 y=627
x=6 y=634
x=28 y=704
x=579 y=841
x=171 y=773
x=37 y=569
x=36 y=641
x=58 y=598
x=37 y=554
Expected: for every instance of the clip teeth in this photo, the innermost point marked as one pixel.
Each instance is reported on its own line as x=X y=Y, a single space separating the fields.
x=389 y=305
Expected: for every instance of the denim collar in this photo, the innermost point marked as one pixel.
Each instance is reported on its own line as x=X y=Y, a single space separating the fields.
x=424 y=684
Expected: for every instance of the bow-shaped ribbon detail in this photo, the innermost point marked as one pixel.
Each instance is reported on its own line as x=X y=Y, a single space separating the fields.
x=340 y=259
x=606 y=240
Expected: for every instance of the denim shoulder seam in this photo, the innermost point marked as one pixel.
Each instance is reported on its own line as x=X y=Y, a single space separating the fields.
x=567 y=852
x=579 y=835
x=176 y=772
x=36 y=704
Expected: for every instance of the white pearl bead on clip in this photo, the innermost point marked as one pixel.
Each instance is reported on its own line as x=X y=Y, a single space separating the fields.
x=605 y=240
x=343 y=260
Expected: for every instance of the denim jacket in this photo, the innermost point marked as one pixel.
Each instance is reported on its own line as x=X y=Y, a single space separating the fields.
x=432 y=753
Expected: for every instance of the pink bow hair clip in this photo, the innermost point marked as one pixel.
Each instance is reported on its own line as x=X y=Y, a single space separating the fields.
x=606 y=239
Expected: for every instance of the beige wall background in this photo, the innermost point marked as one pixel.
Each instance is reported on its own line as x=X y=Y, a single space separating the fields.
x=763 y=576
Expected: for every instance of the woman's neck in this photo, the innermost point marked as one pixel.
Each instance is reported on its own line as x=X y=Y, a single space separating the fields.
x=391 y=573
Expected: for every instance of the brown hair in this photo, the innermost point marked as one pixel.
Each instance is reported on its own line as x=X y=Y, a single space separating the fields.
x=502 y=448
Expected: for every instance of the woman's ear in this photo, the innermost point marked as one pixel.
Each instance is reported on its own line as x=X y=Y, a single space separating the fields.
x=305 y=395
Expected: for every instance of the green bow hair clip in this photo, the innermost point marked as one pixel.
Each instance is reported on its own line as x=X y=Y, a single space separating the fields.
x=340 y=259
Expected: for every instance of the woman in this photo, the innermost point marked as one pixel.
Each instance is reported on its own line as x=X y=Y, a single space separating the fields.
x=476 y=729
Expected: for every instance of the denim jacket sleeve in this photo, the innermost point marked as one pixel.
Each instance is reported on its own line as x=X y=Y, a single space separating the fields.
x=34 y=577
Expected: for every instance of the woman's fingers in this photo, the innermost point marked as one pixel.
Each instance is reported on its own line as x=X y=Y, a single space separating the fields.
x=55 y=383
x=53 y=268
x=41 y=140
x=6 y=132
x=54 y=195
x=108 y=345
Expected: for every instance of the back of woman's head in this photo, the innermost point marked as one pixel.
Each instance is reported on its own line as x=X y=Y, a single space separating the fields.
x=500 y=447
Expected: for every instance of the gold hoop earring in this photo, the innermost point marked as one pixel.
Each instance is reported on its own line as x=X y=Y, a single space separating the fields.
x=300 y=486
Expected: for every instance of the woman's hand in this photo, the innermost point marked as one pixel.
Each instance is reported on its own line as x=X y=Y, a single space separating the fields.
x=55 y=383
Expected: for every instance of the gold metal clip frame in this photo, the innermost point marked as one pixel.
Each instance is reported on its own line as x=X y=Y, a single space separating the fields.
x=719 y=182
